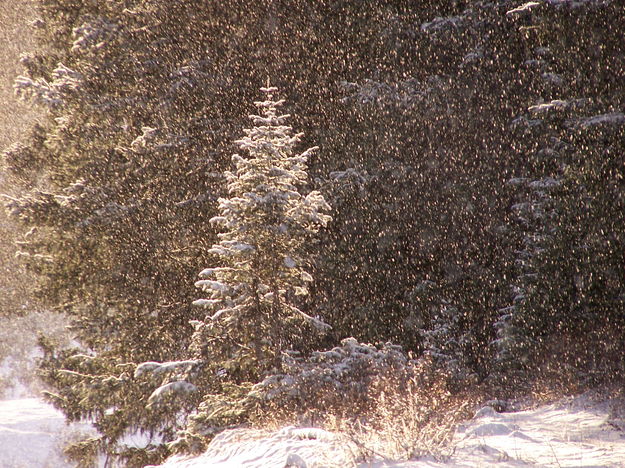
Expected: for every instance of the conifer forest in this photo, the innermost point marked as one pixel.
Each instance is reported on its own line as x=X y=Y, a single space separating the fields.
x=278 y=209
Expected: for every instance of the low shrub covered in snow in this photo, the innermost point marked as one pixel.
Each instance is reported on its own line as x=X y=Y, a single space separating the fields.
x=384 y=402
x=343 y=379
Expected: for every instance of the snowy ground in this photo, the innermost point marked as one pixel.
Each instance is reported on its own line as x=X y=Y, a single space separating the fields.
x=571 y=433
x=576 y=432
x=31 y=434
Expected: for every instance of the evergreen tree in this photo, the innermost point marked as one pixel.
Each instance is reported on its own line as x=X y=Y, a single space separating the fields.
x=112 y=181
x=567 y=310
x=434 y=147
x=268 y=227
x=253 y=318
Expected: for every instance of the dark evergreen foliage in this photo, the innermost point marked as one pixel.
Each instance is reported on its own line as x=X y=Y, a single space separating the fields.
x=568 y=294
x=472 y=153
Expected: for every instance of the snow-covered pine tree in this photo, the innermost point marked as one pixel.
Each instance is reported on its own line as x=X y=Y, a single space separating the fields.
x=252 y=315
x=109 y=185
x=267 y=225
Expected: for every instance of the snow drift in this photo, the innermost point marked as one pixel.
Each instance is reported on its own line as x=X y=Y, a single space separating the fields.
x=574 y=432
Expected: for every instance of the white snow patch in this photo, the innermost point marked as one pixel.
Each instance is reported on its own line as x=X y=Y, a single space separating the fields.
x=491 y=429
x=560 y=434
x=577 y=3
x=570 y=433
x=522 y=8
x=615 y=118
x=205 y=302
x=555 y=105
x=157 y=368
x=32 y=434
x=178 y=387
x=239 y=448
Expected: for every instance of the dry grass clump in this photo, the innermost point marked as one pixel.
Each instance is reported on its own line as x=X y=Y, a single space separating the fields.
x=385 y=405
x=408 y=420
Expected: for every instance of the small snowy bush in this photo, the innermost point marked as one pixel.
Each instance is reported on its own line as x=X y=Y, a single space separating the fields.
x=384 y=402
x=344 y=379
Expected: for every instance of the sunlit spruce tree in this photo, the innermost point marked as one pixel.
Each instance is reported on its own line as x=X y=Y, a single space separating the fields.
x=267 y=224
x=268 y=228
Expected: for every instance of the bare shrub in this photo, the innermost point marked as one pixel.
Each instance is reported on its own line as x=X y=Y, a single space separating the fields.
x=386 y=405
x=408 y=420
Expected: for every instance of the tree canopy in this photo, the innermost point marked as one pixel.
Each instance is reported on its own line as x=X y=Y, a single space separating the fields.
x=471 y=153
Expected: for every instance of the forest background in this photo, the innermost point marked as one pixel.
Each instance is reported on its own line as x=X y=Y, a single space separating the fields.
x=472 y=154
